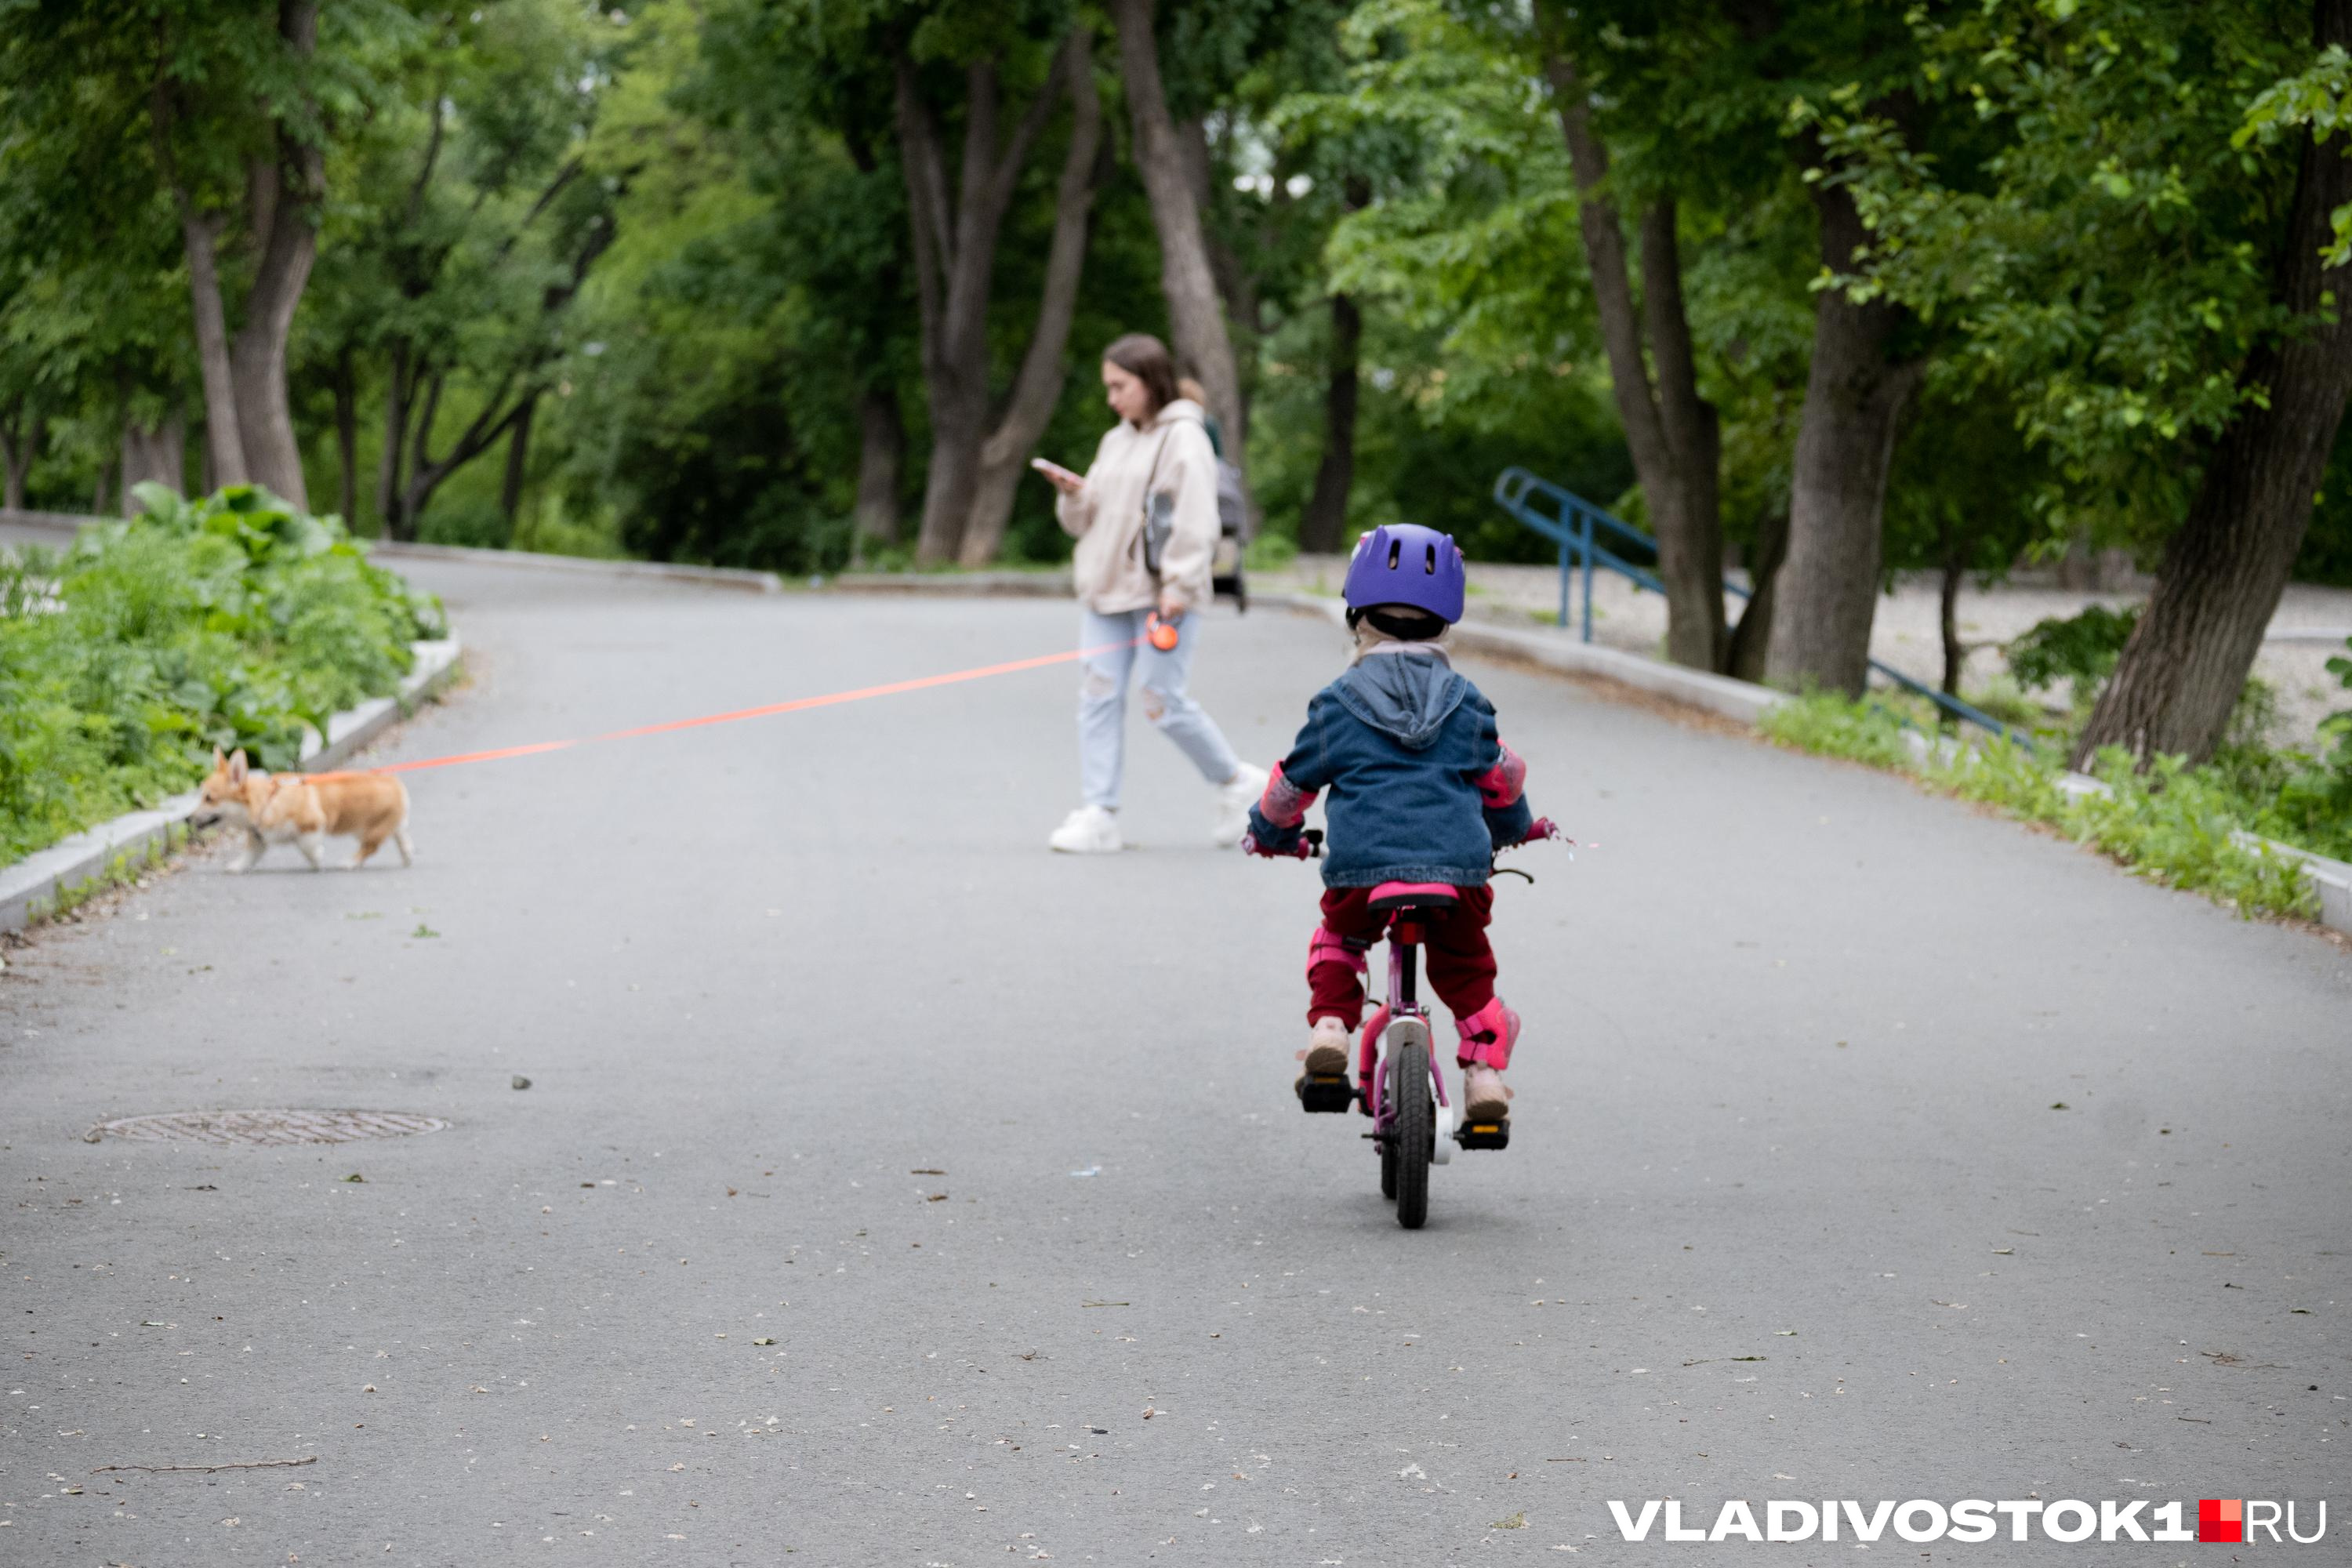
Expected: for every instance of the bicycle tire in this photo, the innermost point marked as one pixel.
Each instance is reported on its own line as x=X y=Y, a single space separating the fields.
x=1413 y=1131
x=1388 y=1169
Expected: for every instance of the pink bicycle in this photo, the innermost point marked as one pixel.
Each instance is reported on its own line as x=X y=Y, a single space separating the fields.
x=1397 y=1081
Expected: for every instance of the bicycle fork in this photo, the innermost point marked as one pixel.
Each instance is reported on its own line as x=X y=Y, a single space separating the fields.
x=1401 y=1020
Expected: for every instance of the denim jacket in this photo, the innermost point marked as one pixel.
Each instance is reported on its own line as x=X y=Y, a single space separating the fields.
x=1422 y=789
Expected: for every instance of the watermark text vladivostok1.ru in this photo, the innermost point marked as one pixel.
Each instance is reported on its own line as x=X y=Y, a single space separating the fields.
x=2245 y=1520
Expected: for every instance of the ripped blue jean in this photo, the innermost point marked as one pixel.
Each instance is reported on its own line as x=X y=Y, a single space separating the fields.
x=1102 y=703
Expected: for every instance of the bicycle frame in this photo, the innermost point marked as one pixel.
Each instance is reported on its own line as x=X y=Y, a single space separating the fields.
x=1403 y=1006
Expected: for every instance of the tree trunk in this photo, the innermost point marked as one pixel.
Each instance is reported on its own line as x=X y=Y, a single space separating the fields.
x=1670 y=429
x=518 y=460
x=285 y=189
x=882 y=447
x=955 y=255
x=257 y=363
x=1752 y=637
x=224 y=441
x=99 y=491
x=2187 y=661
x=1196 y=319
x=1947 y=618
x=1828 y=589
x=157 y=452
x=1245 y=306
x=397 y=394
x=347 y=439
x=1324 y=524
x=1690 y=538
x=20 y=442
x=1037 y=389
x=426 y=473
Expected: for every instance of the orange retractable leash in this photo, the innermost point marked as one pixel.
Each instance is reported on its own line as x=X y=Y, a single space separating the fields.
x=830 y=699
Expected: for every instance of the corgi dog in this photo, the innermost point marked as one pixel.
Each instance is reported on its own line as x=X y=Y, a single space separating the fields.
x=305 y=808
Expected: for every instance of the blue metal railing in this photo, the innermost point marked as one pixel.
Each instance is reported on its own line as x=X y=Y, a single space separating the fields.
x=1580 y=527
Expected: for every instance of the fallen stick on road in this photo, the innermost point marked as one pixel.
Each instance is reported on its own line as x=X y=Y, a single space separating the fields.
x=242 y=1464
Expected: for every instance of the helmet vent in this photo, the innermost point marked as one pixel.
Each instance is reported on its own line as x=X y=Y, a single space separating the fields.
x=1395 y=549
x=1429 y=567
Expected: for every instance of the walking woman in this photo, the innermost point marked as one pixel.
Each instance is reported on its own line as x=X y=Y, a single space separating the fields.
x=1145 y=517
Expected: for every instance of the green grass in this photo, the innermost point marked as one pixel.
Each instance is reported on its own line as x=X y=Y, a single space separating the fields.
x=2171 y=823
x=230 y=622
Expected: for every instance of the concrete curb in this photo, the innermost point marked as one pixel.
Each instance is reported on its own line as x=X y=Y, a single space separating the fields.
x=2331 y=879
x=54 y=521
x=956 y=584
x=31 y=889
x=1717 y=694
x=1746 y=702
x=710 y=577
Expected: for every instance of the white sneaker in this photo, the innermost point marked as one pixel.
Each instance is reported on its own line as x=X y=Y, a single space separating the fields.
x=1089 y=830
x=1326 y=1049
x=1233 y=803
x=1484 y=1098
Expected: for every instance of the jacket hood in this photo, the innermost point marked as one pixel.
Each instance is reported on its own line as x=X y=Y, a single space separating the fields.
x=1183 y=408
x=1405 y=696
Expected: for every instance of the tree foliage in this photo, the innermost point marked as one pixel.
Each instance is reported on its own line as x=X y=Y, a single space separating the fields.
x=646 y=277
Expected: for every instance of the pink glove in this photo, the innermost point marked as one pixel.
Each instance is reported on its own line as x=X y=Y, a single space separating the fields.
x=1300 y=851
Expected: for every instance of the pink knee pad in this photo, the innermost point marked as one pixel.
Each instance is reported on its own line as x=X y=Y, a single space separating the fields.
x=1487 y=1035
x=1330 y=947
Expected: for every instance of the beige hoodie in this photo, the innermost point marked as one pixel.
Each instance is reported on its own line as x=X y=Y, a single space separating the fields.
x=1106 y=517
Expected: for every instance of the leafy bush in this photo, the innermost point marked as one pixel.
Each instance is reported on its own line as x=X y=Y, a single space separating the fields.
x=2173 y=824
x=229 y=622
x=1832 y=726
x=478 y=524
x=2081 y=648
x=2311 y=801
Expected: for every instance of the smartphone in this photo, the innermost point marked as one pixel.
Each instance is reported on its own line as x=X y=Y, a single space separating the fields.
x=1056 y=471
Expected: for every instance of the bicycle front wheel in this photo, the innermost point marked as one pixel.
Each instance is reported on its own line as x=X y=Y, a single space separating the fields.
x=1412 y=1131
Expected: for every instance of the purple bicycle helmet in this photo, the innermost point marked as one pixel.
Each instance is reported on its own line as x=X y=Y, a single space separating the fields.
x=1405 y=563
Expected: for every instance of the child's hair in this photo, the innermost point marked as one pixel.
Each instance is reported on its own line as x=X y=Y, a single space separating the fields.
x=1395 y=624
x=1398 y=622
x=1187 y=387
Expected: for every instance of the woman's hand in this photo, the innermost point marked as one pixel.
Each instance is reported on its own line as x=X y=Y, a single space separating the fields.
x=1060 y=477
x=1171 y=607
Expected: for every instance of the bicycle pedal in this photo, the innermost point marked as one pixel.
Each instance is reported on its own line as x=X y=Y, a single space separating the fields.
x=1485 y=1134
x=1321 y=1093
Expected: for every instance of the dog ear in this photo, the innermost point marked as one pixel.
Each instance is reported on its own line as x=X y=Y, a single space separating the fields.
x=219 y=761
x=237 y=767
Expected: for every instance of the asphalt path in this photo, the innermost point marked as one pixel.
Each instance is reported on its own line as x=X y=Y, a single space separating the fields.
x=890 y=1191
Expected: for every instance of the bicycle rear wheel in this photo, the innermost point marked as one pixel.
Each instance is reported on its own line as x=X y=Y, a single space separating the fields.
x=1412 y=1132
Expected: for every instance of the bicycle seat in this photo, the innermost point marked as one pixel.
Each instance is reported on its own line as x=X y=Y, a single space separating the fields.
x=1391 y=897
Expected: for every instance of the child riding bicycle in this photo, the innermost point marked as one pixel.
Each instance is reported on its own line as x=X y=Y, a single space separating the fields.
x=1422 y=791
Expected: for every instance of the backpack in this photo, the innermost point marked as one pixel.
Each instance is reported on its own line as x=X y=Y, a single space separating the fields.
x=1233 y=516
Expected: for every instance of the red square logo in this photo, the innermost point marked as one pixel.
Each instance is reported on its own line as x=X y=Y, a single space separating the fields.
x=2222 y=1518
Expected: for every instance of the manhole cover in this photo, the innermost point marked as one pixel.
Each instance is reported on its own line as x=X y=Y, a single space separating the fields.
x=267 y=1126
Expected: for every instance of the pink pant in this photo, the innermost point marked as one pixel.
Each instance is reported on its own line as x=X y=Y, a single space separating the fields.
x=1460 y=962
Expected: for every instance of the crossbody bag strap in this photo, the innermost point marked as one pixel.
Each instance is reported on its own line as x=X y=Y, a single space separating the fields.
x=1144 y=534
